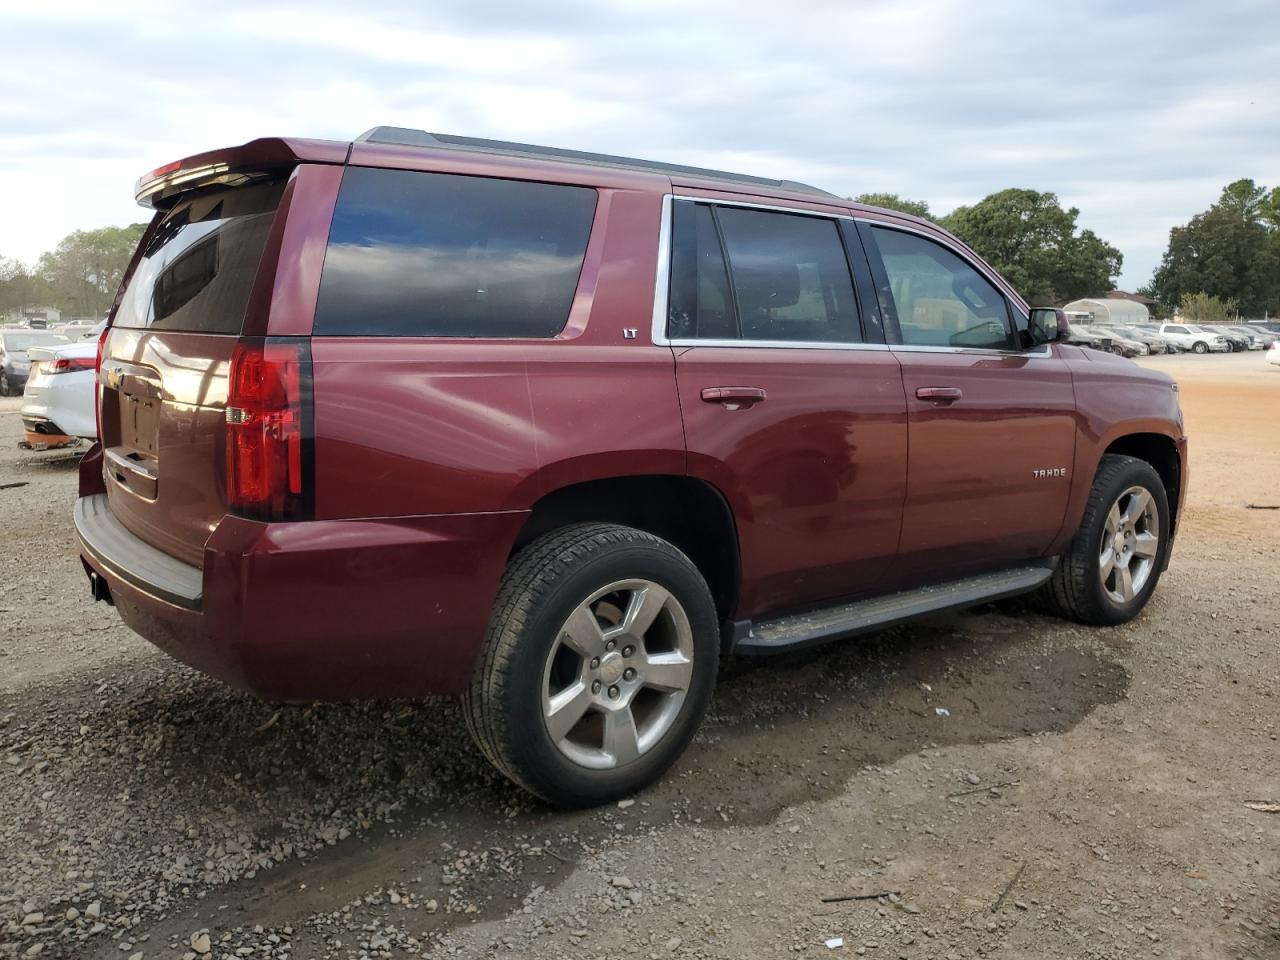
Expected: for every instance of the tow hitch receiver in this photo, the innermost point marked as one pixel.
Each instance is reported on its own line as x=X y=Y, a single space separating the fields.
x=99 y=589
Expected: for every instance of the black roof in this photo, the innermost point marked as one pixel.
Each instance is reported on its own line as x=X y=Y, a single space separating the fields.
x=403 y=136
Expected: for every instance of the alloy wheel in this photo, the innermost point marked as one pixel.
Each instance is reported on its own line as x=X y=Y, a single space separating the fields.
x=618 y=673
x=1130 y=542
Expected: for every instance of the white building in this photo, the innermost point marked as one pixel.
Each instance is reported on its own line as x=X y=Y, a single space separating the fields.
x=1107 y=310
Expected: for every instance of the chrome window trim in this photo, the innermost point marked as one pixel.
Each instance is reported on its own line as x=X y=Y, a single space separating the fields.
x=779 y=344
x=662 y=283
x=662 y=288
x=1035 y=353
x=772 y=208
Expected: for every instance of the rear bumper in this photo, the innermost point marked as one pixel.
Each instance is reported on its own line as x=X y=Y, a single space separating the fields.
x=42 y=426
x=65 y=400
x=323 y=610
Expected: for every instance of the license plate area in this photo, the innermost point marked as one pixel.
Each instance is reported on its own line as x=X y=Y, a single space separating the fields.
x=140 y=423
x=134 y=461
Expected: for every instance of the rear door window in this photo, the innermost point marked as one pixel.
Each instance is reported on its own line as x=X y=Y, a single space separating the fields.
x=198 y=265
x=700 y=304
x=790 y=276
x=415 y=254
x=786 y=278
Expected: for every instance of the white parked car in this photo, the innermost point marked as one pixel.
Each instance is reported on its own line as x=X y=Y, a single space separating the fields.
x=60 y=399
x=14 y=344
x=1273 y=353
x=1190 y=338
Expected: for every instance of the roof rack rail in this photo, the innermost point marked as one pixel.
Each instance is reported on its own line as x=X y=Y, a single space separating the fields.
x=404 y=136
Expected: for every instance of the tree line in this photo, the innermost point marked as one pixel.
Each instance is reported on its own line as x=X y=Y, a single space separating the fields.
x=1224 y=260
x=1230 y=253
x=79 y=276
x=1030 y=239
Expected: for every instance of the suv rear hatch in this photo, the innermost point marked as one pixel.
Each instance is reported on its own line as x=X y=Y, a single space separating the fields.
x=167 y=356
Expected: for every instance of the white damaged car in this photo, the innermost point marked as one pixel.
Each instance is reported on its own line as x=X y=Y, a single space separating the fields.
x=59 y=402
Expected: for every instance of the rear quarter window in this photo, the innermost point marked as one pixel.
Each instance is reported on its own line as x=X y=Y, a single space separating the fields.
x=415 y=254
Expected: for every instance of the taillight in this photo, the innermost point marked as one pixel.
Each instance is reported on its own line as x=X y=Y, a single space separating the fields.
x=269 y=430
x=97 y=381
x=70 y=365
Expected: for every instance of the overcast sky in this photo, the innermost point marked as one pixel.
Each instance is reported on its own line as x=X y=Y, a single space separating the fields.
x=1137 y=113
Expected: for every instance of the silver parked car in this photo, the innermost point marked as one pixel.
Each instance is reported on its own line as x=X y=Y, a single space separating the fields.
x=1155 y=343
x=1257 y=337
x=1127 y=341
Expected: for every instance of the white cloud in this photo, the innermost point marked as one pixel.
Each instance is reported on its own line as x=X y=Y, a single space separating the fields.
x=1137 y=115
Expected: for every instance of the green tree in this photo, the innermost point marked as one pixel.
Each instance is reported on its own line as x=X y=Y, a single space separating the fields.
x=1244 y=199
x=891 y=201
x=1033 y=242
x=1159 y=310
x=1271 y=208
x=1230 y=251
x=1202 y=308
x=82 y=273
x=17 y=286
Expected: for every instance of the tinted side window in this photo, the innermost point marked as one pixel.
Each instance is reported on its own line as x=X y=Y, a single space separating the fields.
x=699 y=304
x=437 y=255
x=790 y=277
x=940 y=300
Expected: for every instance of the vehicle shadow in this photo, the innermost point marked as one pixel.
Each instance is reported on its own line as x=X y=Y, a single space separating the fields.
x=57 y=459
x=292 y=811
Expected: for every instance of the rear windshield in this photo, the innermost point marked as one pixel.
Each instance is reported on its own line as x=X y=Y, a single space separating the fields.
x=18 y=342
x=415 y=254
x=198 y=267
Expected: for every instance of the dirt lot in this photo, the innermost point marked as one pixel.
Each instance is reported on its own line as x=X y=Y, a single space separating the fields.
x=1085 y=796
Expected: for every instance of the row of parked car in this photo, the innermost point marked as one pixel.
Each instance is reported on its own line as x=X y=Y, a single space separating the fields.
x=1141 y=339
x=56 y=367
x=54 y=370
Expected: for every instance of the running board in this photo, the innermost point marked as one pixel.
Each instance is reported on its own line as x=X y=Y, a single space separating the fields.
x=800 y=630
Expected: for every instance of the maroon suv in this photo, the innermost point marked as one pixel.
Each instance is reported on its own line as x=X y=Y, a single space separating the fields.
x=553 y=432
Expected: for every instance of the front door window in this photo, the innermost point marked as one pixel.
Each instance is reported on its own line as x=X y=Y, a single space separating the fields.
x=939 y=299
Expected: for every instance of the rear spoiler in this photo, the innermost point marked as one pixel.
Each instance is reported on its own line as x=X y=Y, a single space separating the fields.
x=44 y=353
x=231 y=166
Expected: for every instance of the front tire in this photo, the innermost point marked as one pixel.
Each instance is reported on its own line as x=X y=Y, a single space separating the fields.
x=5 y=387
x=1113 y=563
x=599 y=663
x=1200 y=347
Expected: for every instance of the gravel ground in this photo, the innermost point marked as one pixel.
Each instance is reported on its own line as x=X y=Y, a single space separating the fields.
x=994 y=783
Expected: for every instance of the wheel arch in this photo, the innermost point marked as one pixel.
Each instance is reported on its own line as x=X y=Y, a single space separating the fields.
x=1161 y=452
x=689 y=513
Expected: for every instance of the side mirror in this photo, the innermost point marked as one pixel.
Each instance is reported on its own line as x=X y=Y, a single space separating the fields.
x=1048 y=325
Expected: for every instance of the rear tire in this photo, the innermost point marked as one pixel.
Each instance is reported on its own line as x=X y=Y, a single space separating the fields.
x=5 y=387
x=598 y=665
x=1200 y=347
x=1112 y=565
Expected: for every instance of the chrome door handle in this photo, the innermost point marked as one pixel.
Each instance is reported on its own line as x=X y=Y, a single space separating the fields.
x=732 y=398
x=939 y=394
